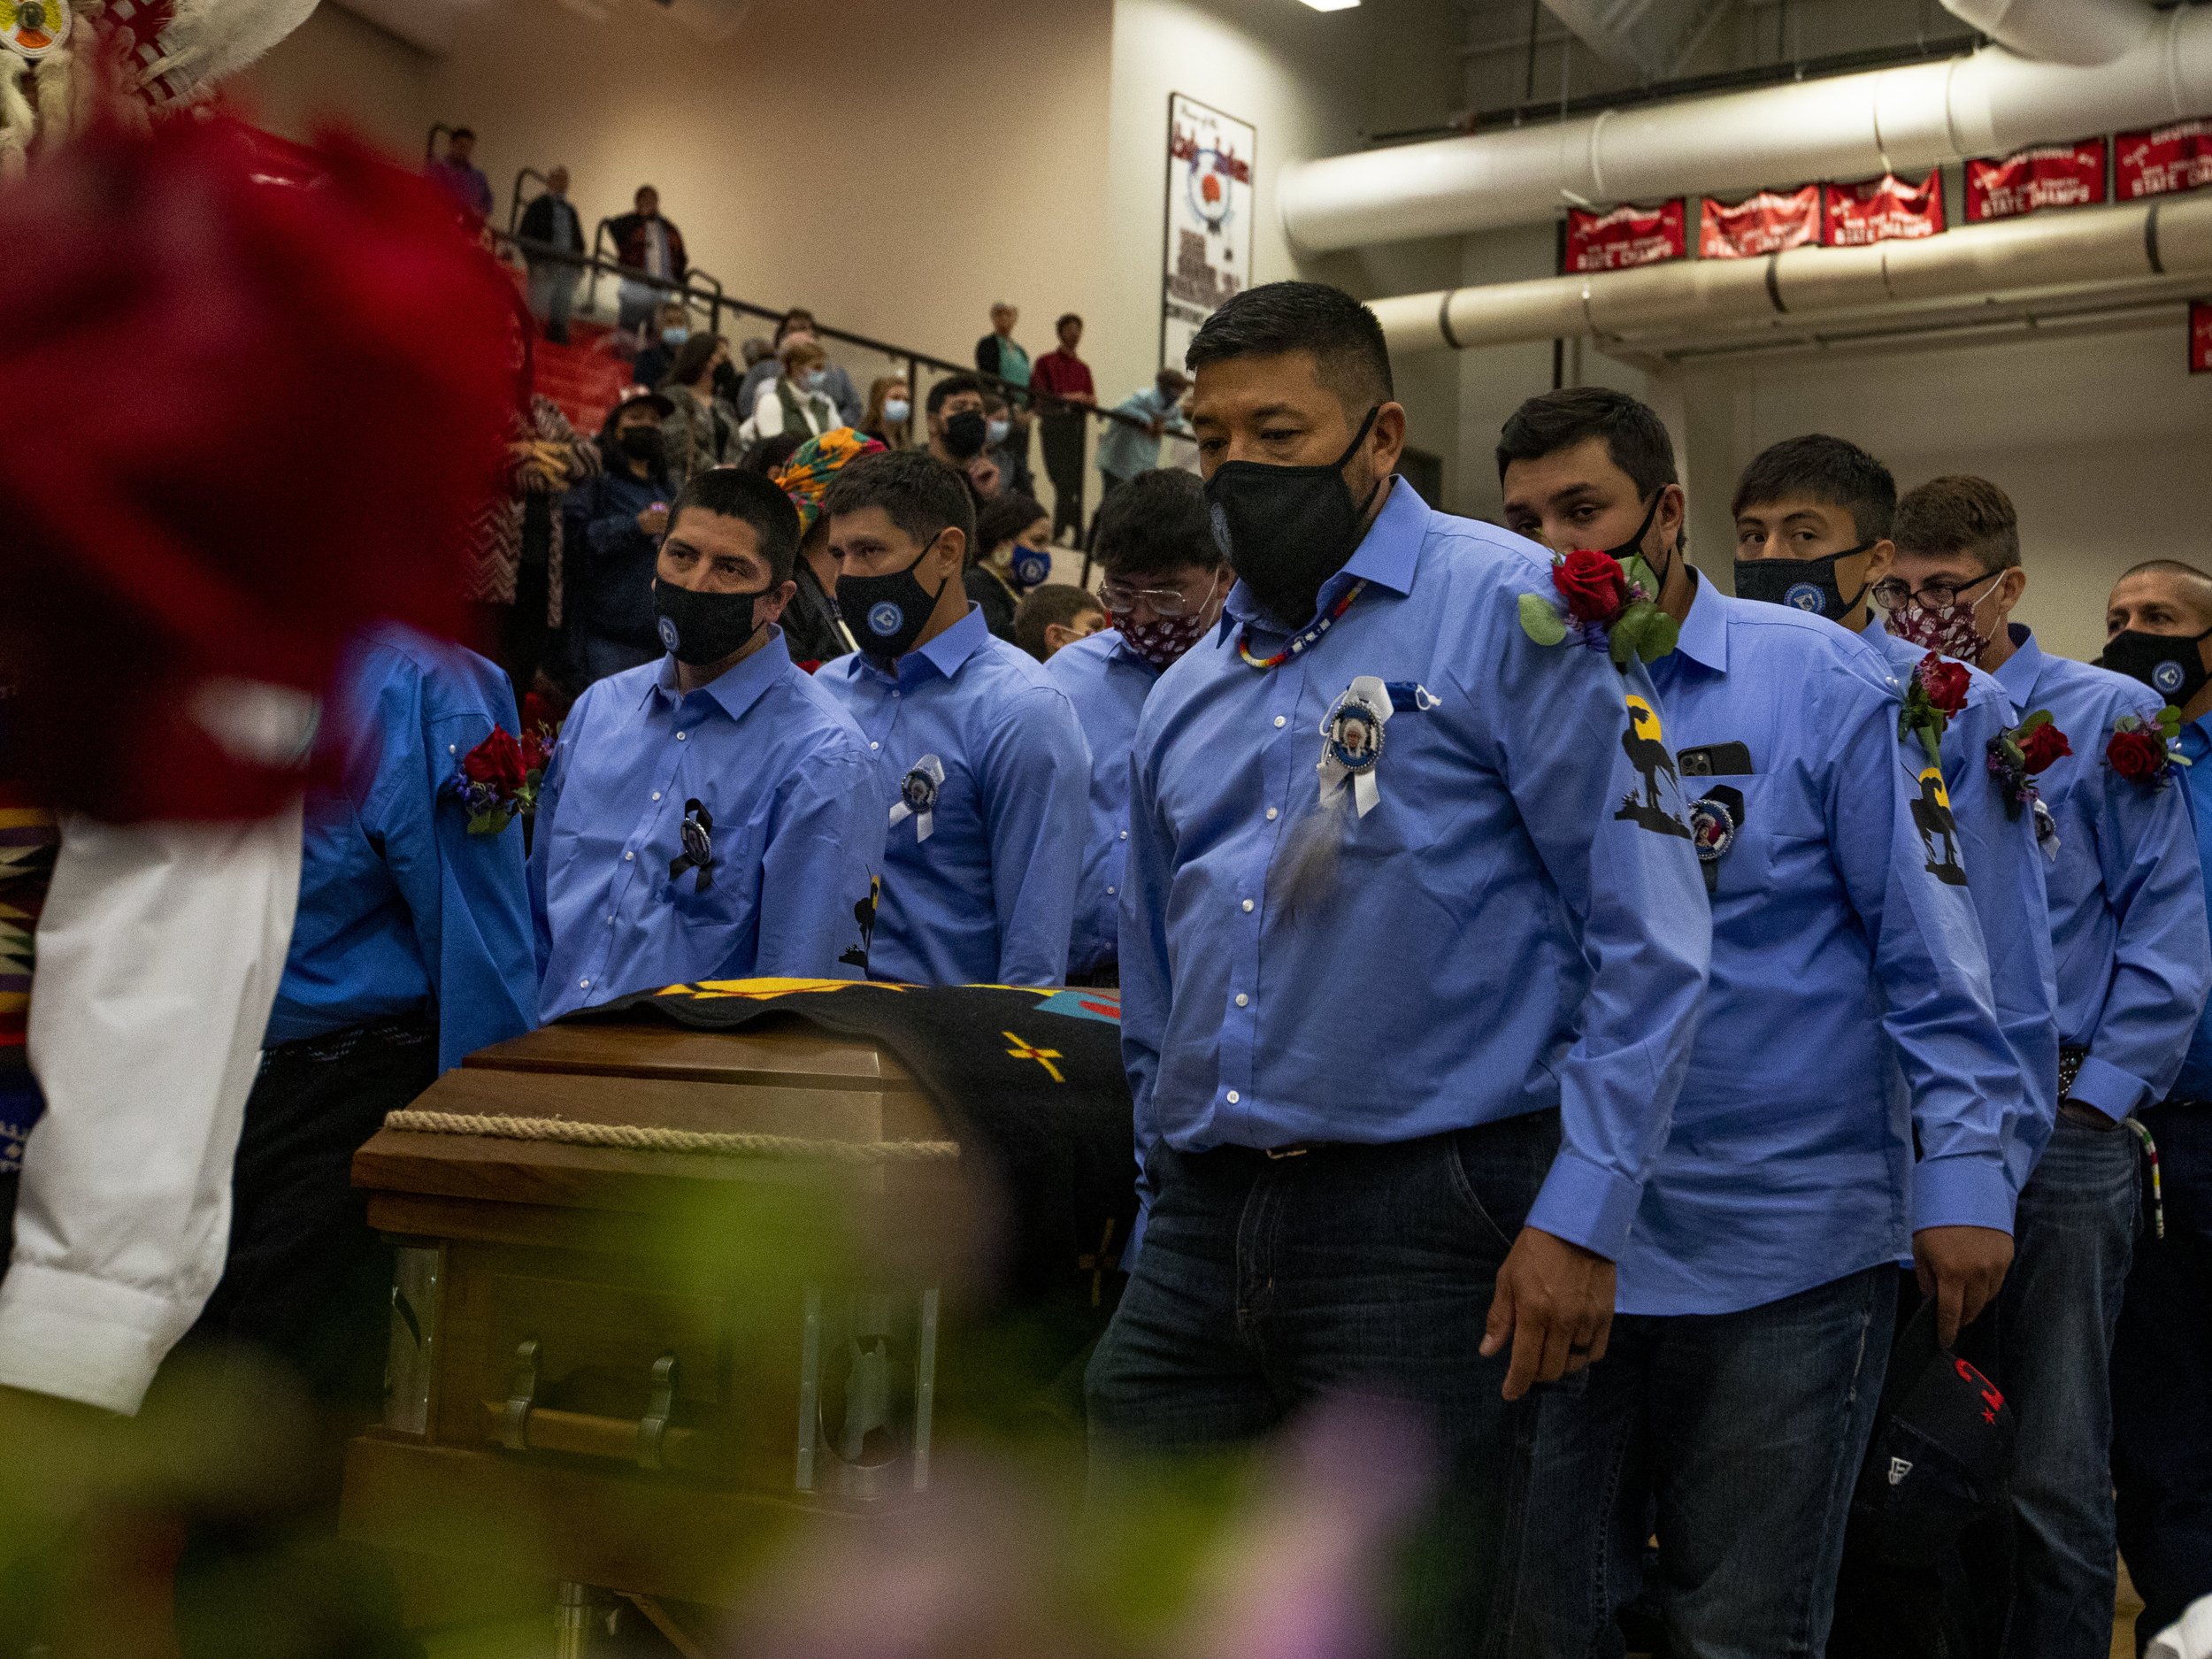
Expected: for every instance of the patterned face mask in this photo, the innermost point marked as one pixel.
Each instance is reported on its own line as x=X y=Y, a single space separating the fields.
x=1162 y=641
x=1948 y=629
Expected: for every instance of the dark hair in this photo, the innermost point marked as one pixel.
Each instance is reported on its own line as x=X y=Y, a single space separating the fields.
x=460 y=133
x=1002 y=518
x=1635 y=438
x=1831 y=471
x=950 y=386
x=1154 y=522
x=642 y=189
x=917 y=491
x=1066 y=318
x=1055 y=605
x=771 y=453
x=1959 y=513
x=1350 y=355
x=691 y=358
x=2165 y=567
x=733 y=493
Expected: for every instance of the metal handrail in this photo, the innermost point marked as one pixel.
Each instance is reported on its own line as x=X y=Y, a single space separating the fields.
x=430 y=140
x=514 y=203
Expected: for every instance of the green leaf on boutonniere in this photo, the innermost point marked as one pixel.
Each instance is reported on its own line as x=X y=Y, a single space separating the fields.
x=1540 y=619
x=1643 y=576
x=2041 y=717
x=489 y=823
x=1643 y=630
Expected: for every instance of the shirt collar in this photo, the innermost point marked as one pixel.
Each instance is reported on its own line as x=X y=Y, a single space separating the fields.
x=1703 y=636
x=2019 y=672
x=947 y=653
x=736 y=690
x=1386 y=557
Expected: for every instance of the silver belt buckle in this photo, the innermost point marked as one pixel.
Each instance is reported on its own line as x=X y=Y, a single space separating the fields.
x=1280 y=1152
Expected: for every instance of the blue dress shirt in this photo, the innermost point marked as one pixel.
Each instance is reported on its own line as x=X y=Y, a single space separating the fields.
x=400 y=909
x=1492 y=938
x=1108 y=683
x=2128 y=930
x=1849 y=1008
x=989 y=897
x=2004 y=877
x=796 y=837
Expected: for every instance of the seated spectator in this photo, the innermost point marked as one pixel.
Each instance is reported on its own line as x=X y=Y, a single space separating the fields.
x=798 y=320
x=671 y=332
x=551 y=223
x=794 y=400
x=890 y=407
x=958 y=431
x=1163 y=586
x=812 y=623
x=756 y=350
x=1055 y=615
x=653 y=247
x=700 y=430
x=1000 y=447
x=516 y=573
x=741 y=788
x=1012 y=554
x=613 y=525
x=1124 y=451
x=462 y=178
x=982 y=771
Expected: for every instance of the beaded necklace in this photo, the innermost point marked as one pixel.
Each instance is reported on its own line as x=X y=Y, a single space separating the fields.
x=1300 y=641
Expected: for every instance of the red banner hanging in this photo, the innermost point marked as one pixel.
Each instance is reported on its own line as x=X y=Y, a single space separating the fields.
x=2200 y=337
x=2164 y=160
x=1625 y=237
x=1886 y=208
x=1762 y=224
x=2050 y=175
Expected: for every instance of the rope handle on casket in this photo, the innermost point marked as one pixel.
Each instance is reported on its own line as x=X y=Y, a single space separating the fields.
x=648 y=1138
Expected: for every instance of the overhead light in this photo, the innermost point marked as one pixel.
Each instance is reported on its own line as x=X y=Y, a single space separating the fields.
x=1333 y=5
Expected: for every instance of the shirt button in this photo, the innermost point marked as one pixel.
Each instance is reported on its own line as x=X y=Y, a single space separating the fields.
x=584 y=983
x=898 y=694
x=681 y=735
x=1281 y=720
x=1124 y=834
x=656 y=795
x=875 y=746
x=1247 y=904
x=1243 y=1001
x=632 y=858
x=1233 y=1097
x=1109 y=892
x=1272 y=813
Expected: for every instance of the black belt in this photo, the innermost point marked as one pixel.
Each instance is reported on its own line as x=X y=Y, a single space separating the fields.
x=2069 y=1058
x=400 y=1031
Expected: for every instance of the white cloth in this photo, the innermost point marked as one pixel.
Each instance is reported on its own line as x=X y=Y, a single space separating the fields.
x=2188 y=1637
x=821 y=412
x=159 y=953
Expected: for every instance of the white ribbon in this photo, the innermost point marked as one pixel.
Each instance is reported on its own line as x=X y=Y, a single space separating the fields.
x=934 y=769
x=1371 y=698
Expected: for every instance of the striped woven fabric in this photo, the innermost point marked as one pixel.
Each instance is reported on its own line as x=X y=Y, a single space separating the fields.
x=27 y=841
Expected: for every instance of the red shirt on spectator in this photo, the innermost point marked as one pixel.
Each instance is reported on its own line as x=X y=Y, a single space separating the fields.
x=1060 y=374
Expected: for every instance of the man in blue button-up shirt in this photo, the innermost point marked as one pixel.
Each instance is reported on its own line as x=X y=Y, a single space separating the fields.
x=1848 y=1021
x=2129 y=937
x=981 y=767
x=1163 y=583
x=1406 y=987
x=709 y=816
x=2157 y=621
x=410 y=950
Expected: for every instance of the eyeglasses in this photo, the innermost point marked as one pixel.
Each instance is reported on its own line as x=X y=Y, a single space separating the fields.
x=1893 y=593
x=1161 y=601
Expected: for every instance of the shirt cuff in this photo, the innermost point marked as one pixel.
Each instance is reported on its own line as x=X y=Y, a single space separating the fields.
x=1971 y=1190
x=80 y=1338
x=1587 y=1205
x=2110 y=1090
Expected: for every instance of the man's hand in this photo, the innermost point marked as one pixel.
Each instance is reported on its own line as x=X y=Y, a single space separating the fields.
x=983 y=473
x=1962 y=1267
x=1555 y=1301
x=653 y=520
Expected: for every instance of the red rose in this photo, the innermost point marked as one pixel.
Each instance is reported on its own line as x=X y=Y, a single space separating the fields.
x=496 y=761
x=537 y=710
x=537 y=748
x=1592 y=584
x=2137 y=756
x=2044 y=745
x=1945 y=683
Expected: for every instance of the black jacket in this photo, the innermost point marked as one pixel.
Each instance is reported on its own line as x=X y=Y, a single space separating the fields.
x=541 y=224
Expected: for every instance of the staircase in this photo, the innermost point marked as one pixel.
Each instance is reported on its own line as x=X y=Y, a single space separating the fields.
x=584 y=376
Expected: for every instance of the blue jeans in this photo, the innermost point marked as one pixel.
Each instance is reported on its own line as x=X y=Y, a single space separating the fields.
x=552 y=296
x=2072 y=1235
x=1742 y=1434
x=1266 y=1283
x=2161 y=1382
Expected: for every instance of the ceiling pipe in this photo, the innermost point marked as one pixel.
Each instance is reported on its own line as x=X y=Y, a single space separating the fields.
x=2141 y=246
x=2061 y=31
x=1850 y=126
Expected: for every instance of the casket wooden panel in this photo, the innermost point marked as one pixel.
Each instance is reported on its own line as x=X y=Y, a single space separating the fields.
x=589 y=1339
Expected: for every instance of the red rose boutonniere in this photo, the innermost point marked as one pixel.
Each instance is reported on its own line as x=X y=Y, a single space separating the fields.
x=2017 y=754
x=1936 y=692
x=1599 y=601
x=497 y=781
x=2142 y=750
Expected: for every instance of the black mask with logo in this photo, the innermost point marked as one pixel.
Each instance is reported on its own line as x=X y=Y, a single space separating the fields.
x=2168 y=663
x=699 y=628
x=965 y=433
x=888 y=613
x=1806 y=585
x=1285 y=530
x=641 y=443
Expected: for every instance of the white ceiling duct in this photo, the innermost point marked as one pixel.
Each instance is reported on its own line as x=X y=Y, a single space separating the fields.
x=2061 y=31
x=1648 y=38
x=1848 y=126
x=2142 y=251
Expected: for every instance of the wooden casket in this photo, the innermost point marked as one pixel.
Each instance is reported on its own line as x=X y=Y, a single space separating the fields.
x=713 y=1303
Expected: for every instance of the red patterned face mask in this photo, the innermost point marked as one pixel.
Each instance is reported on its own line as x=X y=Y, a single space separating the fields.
x=1162 y=641
x=1949 y=629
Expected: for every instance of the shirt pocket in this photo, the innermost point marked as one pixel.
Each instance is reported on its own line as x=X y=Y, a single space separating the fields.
x=1753 y=830
x=731 y=896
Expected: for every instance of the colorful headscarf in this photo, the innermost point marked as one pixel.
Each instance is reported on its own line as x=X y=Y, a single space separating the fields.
x=806 y=476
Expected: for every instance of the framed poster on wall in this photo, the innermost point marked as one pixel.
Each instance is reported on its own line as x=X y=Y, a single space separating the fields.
x=1208 y=246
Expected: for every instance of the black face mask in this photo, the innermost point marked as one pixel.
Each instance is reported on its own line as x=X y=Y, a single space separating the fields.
x=641 y=443
x=1806 y=585
x=702 y=628
x=2168 y=663
x=888 y=613
x=965 y=433
x=1287 y=529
